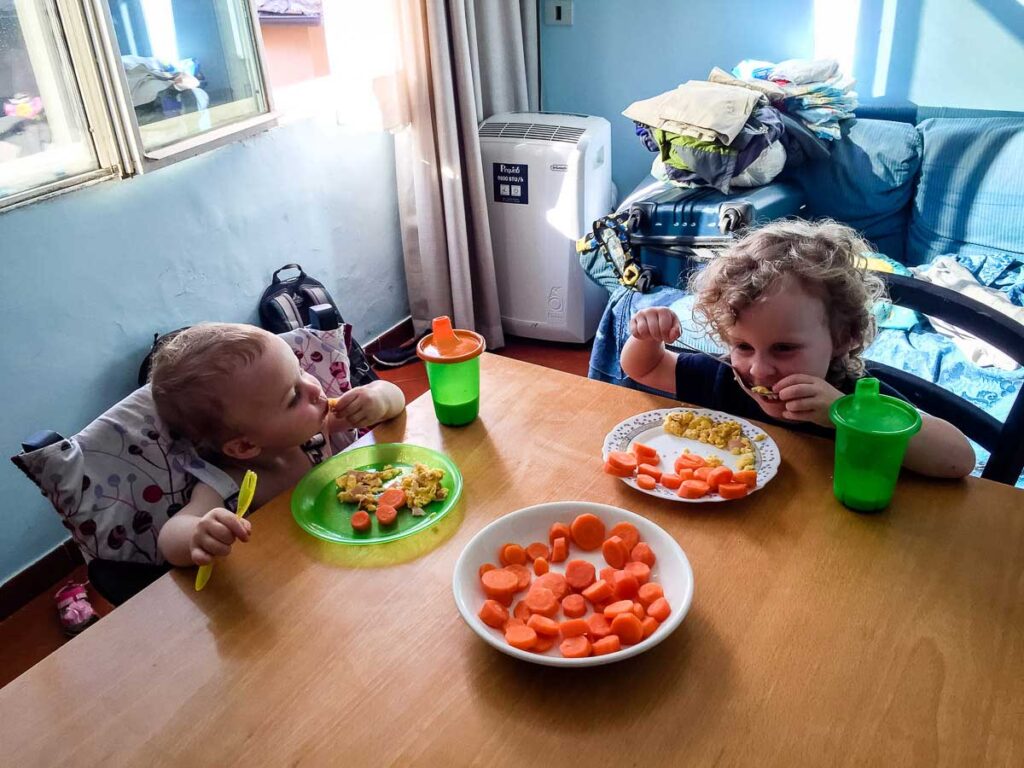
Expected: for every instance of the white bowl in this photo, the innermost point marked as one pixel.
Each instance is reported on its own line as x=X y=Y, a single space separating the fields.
x=671 y=569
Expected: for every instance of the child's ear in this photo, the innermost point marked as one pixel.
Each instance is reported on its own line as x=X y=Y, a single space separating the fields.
x=240 y=448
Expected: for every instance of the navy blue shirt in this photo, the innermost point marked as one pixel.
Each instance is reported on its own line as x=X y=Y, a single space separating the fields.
x=708 y=383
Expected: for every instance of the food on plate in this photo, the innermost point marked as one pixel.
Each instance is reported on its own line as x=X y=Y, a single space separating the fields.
x=579 y=613
x=362 y=487
x=422 y=486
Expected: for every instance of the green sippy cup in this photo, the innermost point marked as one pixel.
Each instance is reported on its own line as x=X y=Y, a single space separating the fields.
x=872 y=432
x=452 y=359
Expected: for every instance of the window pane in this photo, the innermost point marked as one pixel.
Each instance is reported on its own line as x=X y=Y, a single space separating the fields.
x=43 y=135
x=191 y=65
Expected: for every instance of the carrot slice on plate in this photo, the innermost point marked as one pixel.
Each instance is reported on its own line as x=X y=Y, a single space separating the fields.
x=693 y=489
x=671 y=481
x=646 y=482
x=746 y=476
x=540 y=566
x=493 y=614
x=719 y=475
x=574 y=627
x=645 y=453
x=512 y=554
x=732 y=490
x=622 y=461
x=574 y=606
x=627 y=532
x=542 y=625
x=659 y=609
x=579 y=574
x=650 y=592
x=520 y=636
x=649 y=471
x=606 y=645
x=555 y=582
x=538 y=549
x=577 y=647
x=641 y=571
x=523 y=575
x=615 y=551
x=628 y=628
x=643 y=553
x=560 y=549
x=360 y=521
x=500 y=585
x=386 y=514
x=559 y=531
x=587 y=531
x=689 y=461
x=393 y=497
x=609 y=469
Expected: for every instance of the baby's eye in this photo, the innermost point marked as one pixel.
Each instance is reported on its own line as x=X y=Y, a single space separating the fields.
x=783 y=348
x=743 y=347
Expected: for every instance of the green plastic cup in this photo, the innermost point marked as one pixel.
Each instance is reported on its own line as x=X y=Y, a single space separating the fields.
x=872 y=432
x=452 y=359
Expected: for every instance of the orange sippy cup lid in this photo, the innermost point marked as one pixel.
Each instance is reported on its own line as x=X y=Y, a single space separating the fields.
x=449 y=345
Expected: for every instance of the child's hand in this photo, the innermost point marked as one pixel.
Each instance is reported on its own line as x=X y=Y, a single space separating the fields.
x=807 y=398
x=359 y=407
x=655 y=324
x=214 y=534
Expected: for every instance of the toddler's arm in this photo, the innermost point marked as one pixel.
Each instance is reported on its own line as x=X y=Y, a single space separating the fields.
x=644 y=358
x=367 y=405
x=202 y=530
x=939 y=450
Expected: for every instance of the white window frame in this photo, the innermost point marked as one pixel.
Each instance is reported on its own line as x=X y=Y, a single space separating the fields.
x=91 y=46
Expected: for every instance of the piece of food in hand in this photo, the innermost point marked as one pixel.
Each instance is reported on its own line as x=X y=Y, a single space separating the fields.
x=764 y=392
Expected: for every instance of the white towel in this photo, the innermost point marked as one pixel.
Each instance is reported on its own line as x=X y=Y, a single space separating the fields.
x=715 y=110
x=947 y=272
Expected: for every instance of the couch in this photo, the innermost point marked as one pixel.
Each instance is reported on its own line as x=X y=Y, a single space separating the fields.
x=918 y=184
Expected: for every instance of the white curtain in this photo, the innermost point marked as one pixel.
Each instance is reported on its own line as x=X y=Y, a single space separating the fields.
x=460 y=62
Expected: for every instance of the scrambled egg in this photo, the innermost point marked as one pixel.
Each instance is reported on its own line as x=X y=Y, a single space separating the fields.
x=362 y=487
x=422 y=486
x=727 y=435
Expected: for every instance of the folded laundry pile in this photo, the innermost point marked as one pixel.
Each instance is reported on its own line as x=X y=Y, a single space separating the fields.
x=742 y=129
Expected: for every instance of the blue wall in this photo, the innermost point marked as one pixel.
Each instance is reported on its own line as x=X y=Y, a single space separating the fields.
x=936 y=53
x=88 y=277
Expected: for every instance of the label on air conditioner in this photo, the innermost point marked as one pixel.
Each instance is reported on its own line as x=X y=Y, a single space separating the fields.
x=511 y=183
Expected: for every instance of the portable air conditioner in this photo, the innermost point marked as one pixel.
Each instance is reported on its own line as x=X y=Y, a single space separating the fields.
x=548 y=179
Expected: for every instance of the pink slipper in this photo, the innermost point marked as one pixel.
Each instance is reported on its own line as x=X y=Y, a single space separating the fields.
x=74 y=609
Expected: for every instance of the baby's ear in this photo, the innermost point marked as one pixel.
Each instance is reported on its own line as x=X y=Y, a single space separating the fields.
x=240 y=448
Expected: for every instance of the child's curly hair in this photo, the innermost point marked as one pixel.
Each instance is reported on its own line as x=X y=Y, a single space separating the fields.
x=826 y=257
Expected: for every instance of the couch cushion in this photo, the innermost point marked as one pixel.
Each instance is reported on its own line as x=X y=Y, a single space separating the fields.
x=868 y=181
x=971 y=190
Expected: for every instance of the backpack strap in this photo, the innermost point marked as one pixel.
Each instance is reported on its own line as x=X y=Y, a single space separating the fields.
x=314 y=295
x=283 y=306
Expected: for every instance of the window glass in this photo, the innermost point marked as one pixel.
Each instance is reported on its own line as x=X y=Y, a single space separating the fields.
x=43 y=134
x=191 y=65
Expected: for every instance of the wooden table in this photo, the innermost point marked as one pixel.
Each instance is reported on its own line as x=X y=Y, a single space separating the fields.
x=817 y=636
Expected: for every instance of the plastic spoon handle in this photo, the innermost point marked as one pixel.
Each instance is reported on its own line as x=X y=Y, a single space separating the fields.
x=245 y=495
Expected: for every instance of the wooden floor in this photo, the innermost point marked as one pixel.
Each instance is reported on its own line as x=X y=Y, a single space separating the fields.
x=33 y=632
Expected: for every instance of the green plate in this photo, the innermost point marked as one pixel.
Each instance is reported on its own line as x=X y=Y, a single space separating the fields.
x=316 y=508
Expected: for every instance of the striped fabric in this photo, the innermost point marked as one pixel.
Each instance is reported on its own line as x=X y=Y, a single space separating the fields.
x=971 y=189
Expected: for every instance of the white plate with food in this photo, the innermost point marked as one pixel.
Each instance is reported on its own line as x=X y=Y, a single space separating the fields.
x=712 y=438
x=668 y=569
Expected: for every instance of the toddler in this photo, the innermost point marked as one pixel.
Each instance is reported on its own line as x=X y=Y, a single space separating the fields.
x=792 y=302
x=238 y=393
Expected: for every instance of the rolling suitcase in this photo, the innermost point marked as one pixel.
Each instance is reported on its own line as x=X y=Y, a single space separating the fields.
x=671 y=226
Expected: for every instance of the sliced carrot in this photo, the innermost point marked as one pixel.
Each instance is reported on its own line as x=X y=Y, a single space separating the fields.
x=516 y=622
x=659 y=609
x=393 y=497
x=360 y=521
x=628 y=628
x=607 y=573
x=650 y=471
x=521 y=637
x=560 y=549
x=574 y=606
x=649 y=625
x=642 y=553
x=484 y=569
x=732 y=490
x=523 y=576
x=746 y=476
x=575 y=647
x=574 y=627
x=639 y=612
x=645 y=453
x=684 y=474
x=598 y=592
x=615 y=551
x=579 y=574
x=386 y=514
x=521 y=612
x=620 y=606
x=555 y=582
x=559 y=531
x=542 y=601
x=642 y=572
x=689 y=461
x=622 y=461
x=627 y=532
x=702 y=473
x=625 y=585
x=538 y=549
x=512 y=554
x=544 y=644
x=646 y=482
x=598 y=626
x=611 y=470
x=719 y=475
x=500 y=585
x=493 y=614
x=540 y=566
x=693 y=489
x=587 y=531
x=649 y=592
x=606 y=645
x=671 y=481
x=542 y=625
